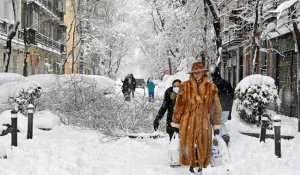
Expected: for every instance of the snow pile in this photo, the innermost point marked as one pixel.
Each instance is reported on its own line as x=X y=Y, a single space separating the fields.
x=6 y=91
x=2 y=151
x=69 y=150
x=41 y=119
x=45 y=120
x=5 y=119
x=47 y=81
x=254 y=93
x=103 y=83
x=10 y=77
x=167 y=82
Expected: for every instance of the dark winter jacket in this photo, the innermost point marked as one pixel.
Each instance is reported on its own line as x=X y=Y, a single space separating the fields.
x=225 y=91
x=168 y=104
x=133 y=85
x=126 y=86
x=129 y=84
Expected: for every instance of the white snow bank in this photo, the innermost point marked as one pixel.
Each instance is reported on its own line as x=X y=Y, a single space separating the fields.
x=45 y=120
x=256 y=79
x=288 y=124
x=9 y=77
x=2 y=151
x=28 y=86
x=167 y=81
x=50 y=80
x=65 y=150
x=42 y=120
x=47 y=81
x=102 y=82
x=5 y=118
x=6 y=91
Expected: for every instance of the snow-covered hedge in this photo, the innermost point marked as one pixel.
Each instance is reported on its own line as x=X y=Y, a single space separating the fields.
x=79 y=101
x=253 y=94
x=26 y=93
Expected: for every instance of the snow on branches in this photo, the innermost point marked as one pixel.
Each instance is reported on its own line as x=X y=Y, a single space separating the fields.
x=26 y=93
x=253 y=95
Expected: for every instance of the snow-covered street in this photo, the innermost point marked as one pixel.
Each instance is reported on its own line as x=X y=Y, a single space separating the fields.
x=66 y=150
x=70 y=150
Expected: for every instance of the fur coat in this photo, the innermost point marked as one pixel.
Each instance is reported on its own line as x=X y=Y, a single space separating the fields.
x=197 y=108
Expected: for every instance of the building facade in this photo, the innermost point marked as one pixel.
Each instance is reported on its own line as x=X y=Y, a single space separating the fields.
x=40 y=40
x=277 y=56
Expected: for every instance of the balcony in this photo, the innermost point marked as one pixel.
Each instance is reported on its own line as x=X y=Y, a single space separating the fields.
x=231 y=38
x=49 y=7
x=6 y=27
x=43 y=41
x=48 y=42
x=269 y=17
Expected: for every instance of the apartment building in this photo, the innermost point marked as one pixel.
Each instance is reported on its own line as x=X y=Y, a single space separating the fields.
x=43 y=30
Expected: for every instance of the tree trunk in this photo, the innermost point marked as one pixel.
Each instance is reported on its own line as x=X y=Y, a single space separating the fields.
x=255 y=46
x=216 y=24
x=10 y=36
x=25 y=72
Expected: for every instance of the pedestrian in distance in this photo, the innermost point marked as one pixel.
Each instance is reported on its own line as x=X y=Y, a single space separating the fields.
x=132 y=84
x=128 y=87
x=197 y=110
x=226 y=95
x=151 y=87
x=168 y=105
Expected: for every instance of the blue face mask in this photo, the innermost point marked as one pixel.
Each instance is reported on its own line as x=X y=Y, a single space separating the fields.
x=176 y=89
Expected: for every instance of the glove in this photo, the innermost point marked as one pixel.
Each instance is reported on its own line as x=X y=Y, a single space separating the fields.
x=216 y=132
x=155 y=124
x=171 y=129
x=229 y=115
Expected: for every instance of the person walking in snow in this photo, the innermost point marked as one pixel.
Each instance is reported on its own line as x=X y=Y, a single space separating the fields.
x=168 y=104
x=132 y=85
x=197 y=108
x=151 y=87
x=226 y=95
x=128 y=87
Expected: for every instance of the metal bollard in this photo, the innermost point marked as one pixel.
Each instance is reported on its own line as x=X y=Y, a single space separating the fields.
x=30 y=121
x=277 y=135
x=14 y=124
x=264 y=120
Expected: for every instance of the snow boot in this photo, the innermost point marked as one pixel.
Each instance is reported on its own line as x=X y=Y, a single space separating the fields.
x=199 y=171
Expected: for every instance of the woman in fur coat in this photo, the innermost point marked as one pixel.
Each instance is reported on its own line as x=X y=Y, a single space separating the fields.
x=197 y=109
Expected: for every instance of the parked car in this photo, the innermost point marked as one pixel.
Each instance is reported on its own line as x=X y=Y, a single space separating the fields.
x=140 y=83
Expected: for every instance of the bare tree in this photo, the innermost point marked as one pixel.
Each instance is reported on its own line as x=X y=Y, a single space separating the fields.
x=10 y=36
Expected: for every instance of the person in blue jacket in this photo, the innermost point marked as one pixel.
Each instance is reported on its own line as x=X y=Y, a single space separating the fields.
x=151 y=87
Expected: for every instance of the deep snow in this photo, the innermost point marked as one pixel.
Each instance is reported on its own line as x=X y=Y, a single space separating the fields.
x=69 y=150
x=66 y=150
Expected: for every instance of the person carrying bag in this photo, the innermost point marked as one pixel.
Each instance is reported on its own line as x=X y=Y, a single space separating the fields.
x=219 y=152
x=174 y=150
